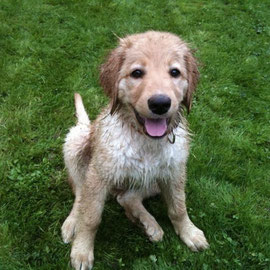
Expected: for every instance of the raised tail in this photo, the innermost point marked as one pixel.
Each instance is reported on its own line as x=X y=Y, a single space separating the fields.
x=80 y=111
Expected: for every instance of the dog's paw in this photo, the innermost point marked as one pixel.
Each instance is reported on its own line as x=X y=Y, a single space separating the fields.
x=152 y=228
x=194 y=238
x=68 y=229
x=82 y=257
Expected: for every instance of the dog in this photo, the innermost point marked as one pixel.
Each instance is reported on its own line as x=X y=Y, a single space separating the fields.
x=139 y=144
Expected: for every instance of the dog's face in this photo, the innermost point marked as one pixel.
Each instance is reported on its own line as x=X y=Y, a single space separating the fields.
x=152 y=74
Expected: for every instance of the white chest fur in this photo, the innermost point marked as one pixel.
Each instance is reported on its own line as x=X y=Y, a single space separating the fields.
x=134 y=157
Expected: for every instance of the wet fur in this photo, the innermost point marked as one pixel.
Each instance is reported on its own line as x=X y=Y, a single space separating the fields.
x=114 y=155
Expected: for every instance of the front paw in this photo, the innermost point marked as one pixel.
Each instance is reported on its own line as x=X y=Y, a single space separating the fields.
x=82 y=256
x=193 y=237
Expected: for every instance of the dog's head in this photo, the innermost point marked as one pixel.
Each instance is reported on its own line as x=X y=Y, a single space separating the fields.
x=152 y=74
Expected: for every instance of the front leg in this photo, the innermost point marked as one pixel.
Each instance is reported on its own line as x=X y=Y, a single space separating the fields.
x=90 y=208
x=174 y=194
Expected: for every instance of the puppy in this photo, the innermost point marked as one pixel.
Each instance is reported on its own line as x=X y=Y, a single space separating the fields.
x=139 y=144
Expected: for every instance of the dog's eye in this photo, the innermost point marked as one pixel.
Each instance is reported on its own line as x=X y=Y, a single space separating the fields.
x=175 y=72
x=137 y=73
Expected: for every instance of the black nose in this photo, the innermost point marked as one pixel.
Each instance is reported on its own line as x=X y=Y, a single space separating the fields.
x=159 y=104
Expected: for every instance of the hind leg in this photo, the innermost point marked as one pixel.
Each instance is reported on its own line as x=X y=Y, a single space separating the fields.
x=77 y=157
x=69 y=225
x=131 y=200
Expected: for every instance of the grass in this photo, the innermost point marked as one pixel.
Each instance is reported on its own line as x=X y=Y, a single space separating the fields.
x=50 y=49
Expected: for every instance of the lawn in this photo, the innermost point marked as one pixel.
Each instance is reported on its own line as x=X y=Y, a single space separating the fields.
x=50 y=49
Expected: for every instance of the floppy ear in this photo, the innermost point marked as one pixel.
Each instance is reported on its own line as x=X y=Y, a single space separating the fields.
x=192 y=77
x=109 y=76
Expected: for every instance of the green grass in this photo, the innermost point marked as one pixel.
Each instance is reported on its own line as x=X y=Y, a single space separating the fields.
x=50 y=49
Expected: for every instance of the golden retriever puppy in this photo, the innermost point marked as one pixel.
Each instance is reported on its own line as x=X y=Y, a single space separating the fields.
x=139 y=144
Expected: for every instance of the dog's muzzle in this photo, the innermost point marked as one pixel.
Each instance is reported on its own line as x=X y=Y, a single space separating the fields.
x=154 y=128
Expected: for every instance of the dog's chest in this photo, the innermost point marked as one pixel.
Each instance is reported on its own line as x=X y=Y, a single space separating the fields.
x=135 y=157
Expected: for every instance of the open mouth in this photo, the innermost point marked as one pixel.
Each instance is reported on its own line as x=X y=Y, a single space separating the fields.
x=154 y=128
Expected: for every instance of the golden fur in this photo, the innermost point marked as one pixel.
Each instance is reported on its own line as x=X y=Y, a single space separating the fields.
x=119 y=154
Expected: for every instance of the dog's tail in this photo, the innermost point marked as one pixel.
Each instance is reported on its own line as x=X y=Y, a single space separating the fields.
x=80 y=111
x=77 y=151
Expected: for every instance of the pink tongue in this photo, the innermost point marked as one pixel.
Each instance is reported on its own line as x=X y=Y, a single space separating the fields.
x=155 y=127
